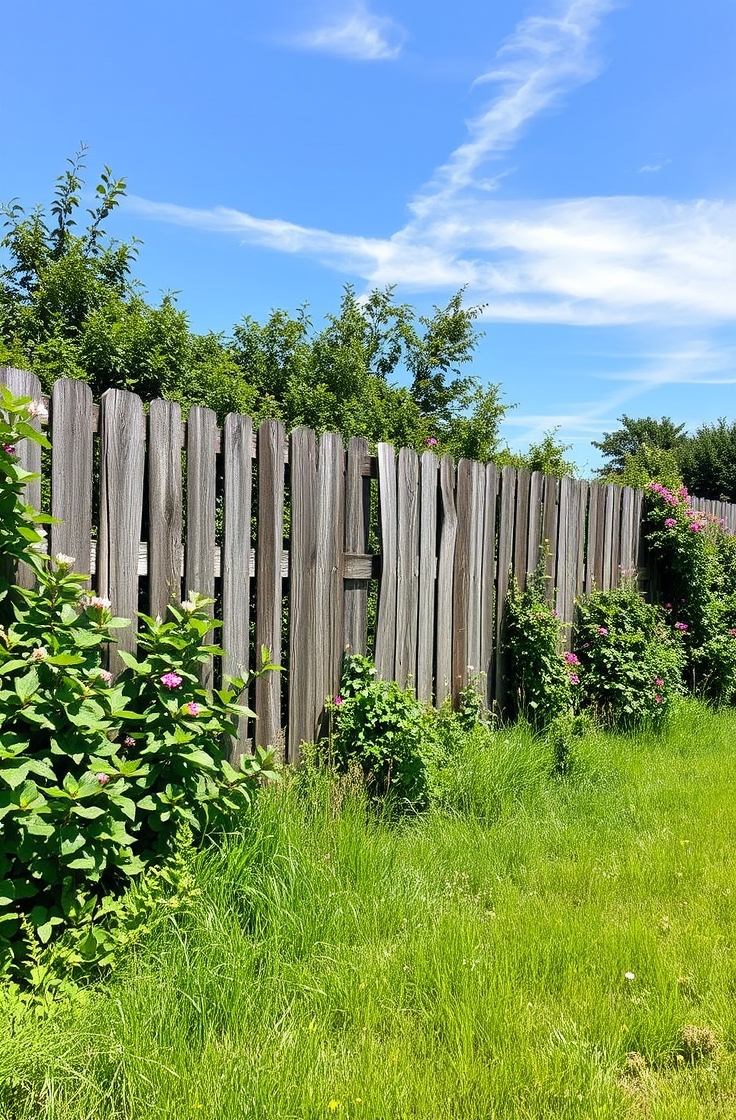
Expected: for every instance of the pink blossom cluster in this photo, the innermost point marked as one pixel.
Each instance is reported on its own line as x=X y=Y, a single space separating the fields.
x=171 y=680
x=666 y=495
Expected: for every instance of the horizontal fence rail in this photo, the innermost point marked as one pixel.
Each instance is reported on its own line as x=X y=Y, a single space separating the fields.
x=275 y=528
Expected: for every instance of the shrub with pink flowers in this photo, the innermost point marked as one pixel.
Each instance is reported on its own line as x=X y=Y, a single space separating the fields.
x=695 y=559
x=97 y=775
x=630 y=660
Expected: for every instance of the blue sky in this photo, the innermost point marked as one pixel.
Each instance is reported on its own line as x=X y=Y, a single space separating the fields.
x=572 y=163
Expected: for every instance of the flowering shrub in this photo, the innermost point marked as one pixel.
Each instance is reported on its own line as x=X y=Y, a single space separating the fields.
x=388 y=732
x=696 y=560
x=630 y=661
x=96 y=775
x=542 y=680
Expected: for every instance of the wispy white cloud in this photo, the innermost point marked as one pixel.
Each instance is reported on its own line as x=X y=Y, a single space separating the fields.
x=578 y=261
x=358 y=34
x=650 y=168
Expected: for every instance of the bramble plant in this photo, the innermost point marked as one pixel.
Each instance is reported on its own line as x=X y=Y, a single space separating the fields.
x=97 y=775
x=696 y=559
x=543 y=680
x=630 y=660
x=387 y=730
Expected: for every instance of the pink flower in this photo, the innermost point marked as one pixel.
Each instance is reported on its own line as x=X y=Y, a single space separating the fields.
x=105 y=676
x=659 y=682
x=193 y=708
x=670 y=523
x=680 y=626
x=128 y=741
x=431 y=442
x=668 y=606
x=602 y=630
x=732 y=633
x=683 y=493
x=171 y=680
x=103 y=779
x=574 y=678
x=571 y=659
x=9 y=448
x=338 y=700
x=657 y=699
x=695 y=527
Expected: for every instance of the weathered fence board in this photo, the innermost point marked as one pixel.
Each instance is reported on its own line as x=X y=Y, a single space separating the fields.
x=71 y=472
x=427 y=576
x=505 y=557
x=236 y=549
x=122 y=464
x=407 y=567
x=488 y=580
x=385 y=650
x=445 y=580
x=357 y=521
x=467 y=609
x=271 y=452
x=165 y=505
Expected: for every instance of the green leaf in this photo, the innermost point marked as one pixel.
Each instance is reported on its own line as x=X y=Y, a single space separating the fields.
x=26 y=686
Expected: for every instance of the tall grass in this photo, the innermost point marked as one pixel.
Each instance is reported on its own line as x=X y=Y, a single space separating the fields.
x=468 y=964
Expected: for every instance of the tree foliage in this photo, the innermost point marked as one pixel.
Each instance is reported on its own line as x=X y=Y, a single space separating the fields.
x=635 y=434
x=708 y=461
x=70 y=307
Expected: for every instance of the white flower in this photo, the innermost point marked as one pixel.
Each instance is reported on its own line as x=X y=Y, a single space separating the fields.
x=38 y=410
x=629 y=976
x=63 y=561
x=40 y=654
x=188 y=606
x=97 y=602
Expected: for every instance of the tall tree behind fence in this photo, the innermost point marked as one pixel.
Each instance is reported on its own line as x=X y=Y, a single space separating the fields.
x=275 y=528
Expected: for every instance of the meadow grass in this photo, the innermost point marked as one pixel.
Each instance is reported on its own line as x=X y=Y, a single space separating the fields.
x=467 y=964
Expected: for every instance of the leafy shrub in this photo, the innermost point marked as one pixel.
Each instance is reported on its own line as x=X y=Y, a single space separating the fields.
x=630 y=660
x=387 y=730
x=96 y=775
x=541 y=678
x=696 y=561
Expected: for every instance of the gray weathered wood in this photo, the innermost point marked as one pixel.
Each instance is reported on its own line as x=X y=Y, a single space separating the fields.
x=237 y=438
x=488 y=581
x=505 y=557
x=357 y=517
x=386 y=621
x=427 y=576
x=122 y=462
x=562 y=567
x=71 y=472
x=271 y=452
x=467 y=606
x=535 y=521
x=521 y=526
x=626 y=557
x=580 y=527
x=445 y=580
x=636 y=537
x=610 y=539
x=23 y=383
x=550 y=511
x=303 y=708
x=594 y=500
x=201 y=499
x=407 y=566
x=165 y=549
x=329 y=569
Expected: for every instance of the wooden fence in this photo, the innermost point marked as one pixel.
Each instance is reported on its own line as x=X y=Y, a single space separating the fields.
x=276 y=529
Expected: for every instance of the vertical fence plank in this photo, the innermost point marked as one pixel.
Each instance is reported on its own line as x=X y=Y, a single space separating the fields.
x=626 y=558
x=164 y=506
x=563 y=548
x=636 y=533
x=427 y=576
x=407 y=567
x=467 y=607
x=237 y=440
x=488 y=580
x=580 y=527
x=122 y=461
x=386 y=622
x=505 y=556
x=201 y=499
x=521 y=528
x=303 y=687
x=23 y=383
x=550 y=510
x=445 y=581
x=269 y=547
x=610 y=540
x=329 y=572
x=592 y=537
x=357 y=516
x=535 y=522
x=71 y=472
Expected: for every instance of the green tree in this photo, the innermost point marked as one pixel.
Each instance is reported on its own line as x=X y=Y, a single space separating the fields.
x=547 y=456
x=634 y=434
x=708 y=461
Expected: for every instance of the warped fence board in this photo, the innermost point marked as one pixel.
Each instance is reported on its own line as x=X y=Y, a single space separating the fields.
x=451 y=538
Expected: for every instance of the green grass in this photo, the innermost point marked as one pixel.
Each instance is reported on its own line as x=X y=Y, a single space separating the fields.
x=466 y=965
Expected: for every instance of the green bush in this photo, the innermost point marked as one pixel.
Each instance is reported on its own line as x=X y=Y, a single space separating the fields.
x=387 y=730
x=542 y=680
x=630 y=660
x=96 y=775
